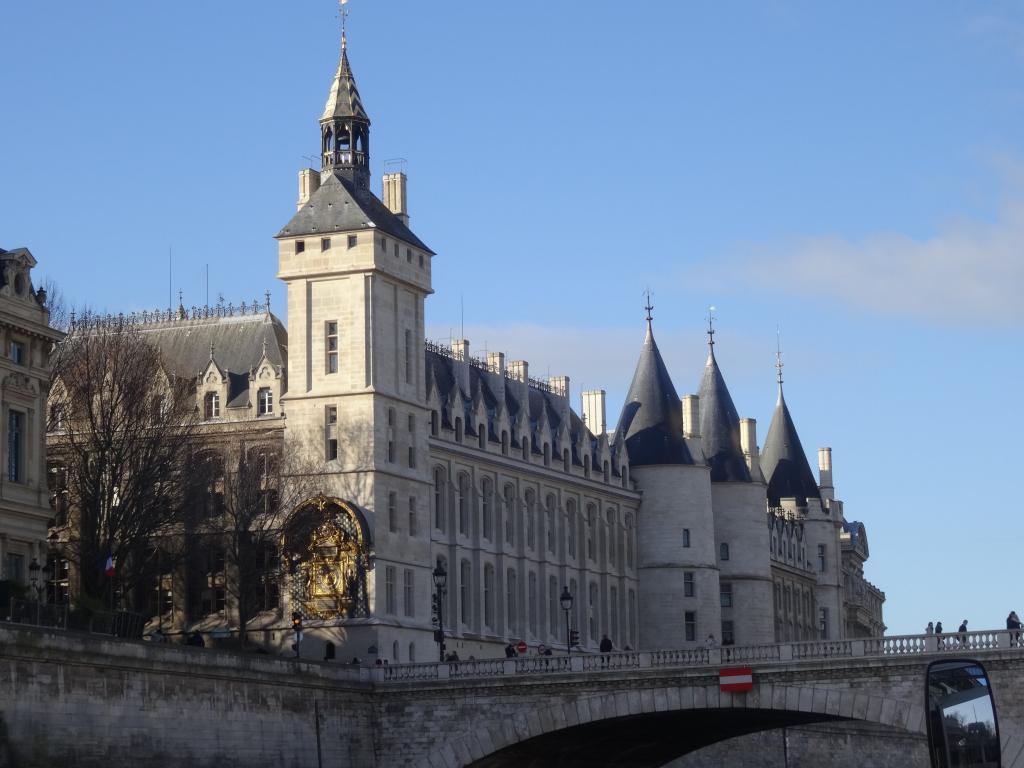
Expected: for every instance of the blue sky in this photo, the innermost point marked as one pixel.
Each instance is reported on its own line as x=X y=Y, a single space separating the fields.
x=850 y=173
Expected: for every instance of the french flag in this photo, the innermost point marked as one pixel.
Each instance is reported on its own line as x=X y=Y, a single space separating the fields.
x=108 y=570
x=736 y=679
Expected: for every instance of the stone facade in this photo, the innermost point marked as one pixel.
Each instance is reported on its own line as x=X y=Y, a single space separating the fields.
x=26 y=341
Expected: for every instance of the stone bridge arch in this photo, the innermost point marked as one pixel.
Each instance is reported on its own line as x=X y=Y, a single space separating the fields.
x=682 y=718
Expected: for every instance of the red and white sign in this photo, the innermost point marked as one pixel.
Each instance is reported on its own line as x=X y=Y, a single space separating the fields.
x=736 y=680
x=521 y=646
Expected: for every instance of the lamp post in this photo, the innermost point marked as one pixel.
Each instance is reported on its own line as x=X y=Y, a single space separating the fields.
x=566 y=601
x=440 y=580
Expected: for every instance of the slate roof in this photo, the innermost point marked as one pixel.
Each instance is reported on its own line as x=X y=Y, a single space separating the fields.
x=339 y=206
x=238 y=344
x=652 y=417
x=720 y=427
x=343 y=98
x=784 y=462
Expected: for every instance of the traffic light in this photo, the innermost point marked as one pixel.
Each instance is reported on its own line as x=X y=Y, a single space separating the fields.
x=574 y=637
x=297 y=629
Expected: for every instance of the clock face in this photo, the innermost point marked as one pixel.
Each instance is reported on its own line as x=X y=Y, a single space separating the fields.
x=19 y=284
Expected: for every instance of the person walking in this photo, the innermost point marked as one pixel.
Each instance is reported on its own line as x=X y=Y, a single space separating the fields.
x=606 y=644
x=938 y=634
x=1013 y=624
x=963 y=634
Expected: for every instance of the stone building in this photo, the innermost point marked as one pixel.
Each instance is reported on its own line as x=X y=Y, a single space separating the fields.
x=671 y=528
x=26 y=339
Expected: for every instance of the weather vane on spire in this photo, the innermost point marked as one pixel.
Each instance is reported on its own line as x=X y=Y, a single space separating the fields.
x=711 y=326
x=343 y=13
x=778 y=353
x=648 y=306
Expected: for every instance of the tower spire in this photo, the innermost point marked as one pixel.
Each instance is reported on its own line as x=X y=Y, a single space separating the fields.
x=778 y=356
x=648 y=307
x=344 y=125
x=711 y=329
x=343 y=12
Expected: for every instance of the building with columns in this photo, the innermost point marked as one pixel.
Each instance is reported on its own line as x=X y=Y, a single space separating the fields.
x=26 y=339
x=673 y=527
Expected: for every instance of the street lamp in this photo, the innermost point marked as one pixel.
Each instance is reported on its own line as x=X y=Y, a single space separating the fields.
x=440 y=580
x=566 y=601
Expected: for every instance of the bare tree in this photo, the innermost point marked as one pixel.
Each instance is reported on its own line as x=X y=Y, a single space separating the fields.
x=122 y=428
x=246 y=497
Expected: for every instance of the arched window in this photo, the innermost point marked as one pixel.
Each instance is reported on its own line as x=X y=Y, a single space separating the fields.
x=629 y=541
x=440 y=479
x=487 y=504
x=394 y=651
x=570 y=527
x=547 y=455
x=613 y=609
x=577 y=605
x=511 y=612
x=625 y=476
x=531 y=523
x=458 y=429
x=554 y=625
x=592 y=607
x=525 y=439
x=549 y=523
x=412 y=653
x=532 y=581
x=465 y=593
x=481 y=434
x=435 y=423
x=591 y=522
x=566 y=460
x=489 y=596
x=510 y=514
x=723 y=551
x=464 y=501
x=607 y=471
x=504 y=442
x=613 y=536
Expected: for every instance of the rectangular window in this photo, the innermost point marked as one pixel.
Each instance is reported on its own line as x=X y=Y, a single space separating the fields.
x=821 y=558
x=686 y=538
x=353 y=240
x=408 y=593
x=265 y=401
x=413 y=527
x=688 y=590
x=725 y=594
x=300 y=246
x=391 y=606
x=631 y=618
x=728 y=635
x=823 y=623
x=16 y=568
x=394 y=248
x=15 y=446
x=408 y=255
x=17 y=352
x=393 y=512
x=332 y=346
x=690 y=623
x=412 y=441
x=325 y=243
x=391 y=435
x=331 y=432
x=211 y=406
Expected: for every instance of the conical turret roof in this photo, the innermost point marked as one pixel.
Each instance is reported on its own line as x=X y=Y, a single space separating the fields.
x=652 y=417
x=784 y=462
x=343 y=99
x=720 y=427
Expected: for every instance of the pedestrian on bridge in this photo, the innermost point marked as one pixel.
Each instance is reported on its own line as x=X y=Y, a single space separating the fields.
x=963 y=634
x=938 y=633
x=930 y=629
x=1013 y=624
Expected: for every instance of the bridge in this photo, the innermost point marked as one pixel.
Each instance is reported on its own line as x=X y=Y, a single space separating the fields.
x=78 y=700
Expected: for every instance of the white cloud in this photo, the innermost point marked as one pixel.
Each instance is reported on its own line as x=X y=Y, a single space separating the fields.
x=970 y=270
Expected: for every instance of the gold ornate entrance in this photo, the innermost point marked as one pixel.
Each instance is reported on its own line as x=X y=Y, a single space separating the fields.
x=326 y=546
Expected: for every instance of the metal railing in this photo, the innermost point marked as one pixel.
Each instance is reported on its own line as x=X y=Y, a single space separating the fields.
x=38 y=614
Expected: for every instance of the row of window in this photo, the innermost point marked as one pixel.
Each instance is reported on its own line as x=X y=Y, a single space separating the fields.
x=264 y=403
x=529 y=612
x=392 y=514
x=331 y=350
x=525 y=441
x=391 y=591
x=479 y=512
x=325 y=243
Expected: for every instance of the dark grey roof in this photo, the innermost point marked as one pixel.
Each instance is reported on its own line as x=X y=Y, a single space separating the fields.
x=652 y=417
x=339 y=206
x=784 y=462
x=238 y=344
x=343 y=98
x=720 y=427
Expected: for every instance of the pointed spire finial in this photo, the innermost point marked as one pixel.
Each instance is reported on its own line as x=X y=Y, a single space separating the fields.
x=778 y=354
x=648 y=306
x=343 y=12
x=266 y=303
x=711 y=328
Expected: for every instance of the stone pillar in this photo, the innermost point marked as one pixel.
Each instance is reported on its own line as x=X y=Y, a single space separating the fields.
x=691 y=416
x=748 y=443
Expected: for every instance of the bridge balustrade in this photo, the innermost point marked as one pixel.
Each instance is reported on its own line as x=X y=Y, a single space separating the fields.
x=677 y=658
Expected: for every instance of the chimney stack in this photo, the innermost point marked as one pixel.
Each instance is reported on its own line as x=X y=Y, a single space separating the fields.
x=496 y=362
x=748 y=443
x=691 y=416
x=559 y=385
x=825 y=471
x=520 y=370
x=395 y=195
x=309 y=182
x=460 y=353
x=593 y=411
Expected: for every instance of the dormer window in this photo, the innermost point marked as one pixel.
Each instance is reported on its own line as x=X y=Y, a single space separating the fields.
x=211 y=408
x=265 y=401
